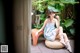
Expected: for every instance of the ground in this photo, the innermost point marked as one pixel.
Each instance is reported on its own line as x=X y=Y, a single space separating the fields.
x=41 y=48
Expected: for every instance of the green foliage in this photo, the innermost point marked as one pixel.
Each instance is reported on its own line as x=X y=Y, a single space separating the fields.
x=41 y=5
x=67 y=25
x=42 y=18
x=68 y=22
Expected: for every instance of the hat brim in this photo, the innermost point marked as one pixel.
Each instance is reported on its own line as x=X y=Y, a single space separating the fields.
x=53 y=9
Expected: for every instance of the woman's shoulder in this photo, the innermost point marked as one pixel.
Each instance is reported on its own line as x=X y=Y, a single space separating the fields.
x=47 y=19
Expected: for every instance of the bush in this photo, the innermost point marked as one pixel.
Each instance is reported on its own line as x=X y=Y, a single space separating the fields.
x=41 y=5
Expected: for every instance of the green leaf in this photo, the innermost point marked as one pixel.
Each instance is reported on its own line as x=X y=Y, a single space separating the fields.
x=42 y=17
x=68 y=22
x=61 y=4
x=72 y=31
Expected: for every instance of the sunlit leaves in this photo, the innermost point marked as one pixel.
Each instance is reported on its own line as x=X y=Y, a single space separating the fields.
x=68 y=22
x=42 y=4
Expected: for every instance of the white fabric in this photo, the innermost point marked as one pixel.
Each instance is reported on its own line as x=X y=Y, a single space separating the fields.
x=49 y=32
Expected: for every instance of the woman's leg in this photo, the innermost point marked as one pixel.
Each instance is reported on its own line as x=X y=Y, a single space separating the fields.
x=68 y=46
x=64 y=39
x=61 y=35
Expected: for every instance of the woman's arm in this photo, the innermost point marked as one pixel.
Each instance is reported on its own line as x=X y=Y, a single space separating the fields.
x=58 y=18
x=57 y=23
x=57 y=26
x=43 y=26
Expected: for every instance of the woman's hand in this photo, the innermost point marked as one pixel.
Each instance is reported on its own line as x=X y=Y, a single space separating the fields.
x=37 y=34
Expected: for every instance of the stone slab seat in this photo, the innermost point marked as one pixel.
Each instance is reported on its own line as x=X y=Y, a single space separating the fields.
x=49 y=44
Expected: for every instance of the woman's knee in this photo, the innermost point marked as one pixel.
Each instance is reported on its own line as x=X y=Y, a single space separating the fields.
x=64 y=34
x=60 y=28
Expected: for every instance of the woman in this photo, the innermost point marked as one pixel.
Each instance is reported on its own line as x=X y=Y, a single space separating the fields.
x=52 y=27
